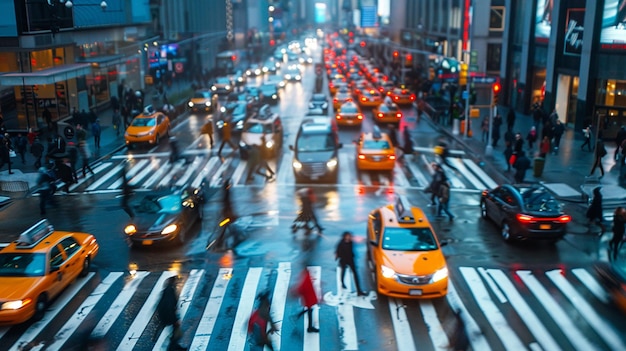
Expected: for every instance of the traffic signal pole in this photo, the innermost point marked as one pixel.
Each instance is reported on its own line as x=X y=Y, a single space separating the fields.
x=467 y=96
x=489 y=148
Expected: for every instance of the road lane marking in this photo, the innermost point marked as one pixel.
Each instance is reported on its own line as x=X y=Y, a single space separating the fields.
x=599 y=324
x=81 y=313
x=496 y=291
x=239 y=334
x=345 y=313
x=507 y=336
x=173 y=170
x=475 y=335
x=191 y=168
x=435 y=329
x=202 y=175
x=417 y=173
x=59 y=305
x=130 y=174
x=279 y=299
x=344 y=164
x=211 y=311
x=401 y=325
x=312 y=340
x=142 y=319
x=184 y=300
x=460 y=165
x=575 y=336
x=154 y=164
x=524 y=311
x=285 y=173
x=238 y=173
x=101 y=167
x=156 y=175
x=591 y=284
x=219 y=174
x=112 y=173
x=399 y=178
x=480 y=173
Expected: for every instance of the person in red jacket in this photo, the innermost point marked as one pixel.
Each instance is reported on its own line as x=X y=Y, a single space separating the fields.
x=308 y=297
x=257 y=324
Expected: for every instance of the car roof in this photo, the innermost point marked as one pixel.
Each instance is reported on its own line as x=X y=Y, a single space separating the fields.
x=37 y=239
x=402 y=213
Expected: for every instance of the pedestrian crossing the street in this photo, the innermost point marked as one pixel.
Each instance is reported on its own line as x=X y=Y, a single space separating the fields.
x=197 y=168
x=510 y=310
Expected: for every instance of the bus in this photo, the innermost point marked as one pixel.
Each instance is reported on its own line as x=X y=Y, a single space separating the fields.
x=227 y=62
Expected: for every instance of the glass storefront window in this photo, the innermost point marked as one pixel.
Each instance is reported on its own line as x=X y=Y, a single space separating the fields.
x=611 y=93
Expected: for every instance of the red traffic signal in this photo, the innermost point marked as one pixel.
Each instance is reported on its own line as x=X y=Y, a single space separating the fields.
x=496 y=88
x=272 y=42
x=395 y=54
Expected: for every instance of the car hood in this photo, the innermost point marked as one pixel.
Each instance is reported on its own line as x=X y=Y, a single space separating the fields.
x=315 y=156
x=153 y=221
x=199 y=101
x=15 y=288
x=136 y=130
x=413 y=262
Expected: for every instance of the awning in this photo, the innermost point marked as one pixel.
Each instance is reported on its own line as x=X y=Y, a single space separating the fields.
x=105 y=61
x=46 y=76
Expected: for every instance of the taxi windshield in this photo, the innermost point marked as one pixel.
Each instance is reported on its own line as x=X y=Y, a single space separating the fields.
x=16 y=264
x=258 y=128
x=316 y=142
x=201 y=95
x=164 y=204
x=409 y=239
x=348 y=109
x=144 y=122
x=376 y=145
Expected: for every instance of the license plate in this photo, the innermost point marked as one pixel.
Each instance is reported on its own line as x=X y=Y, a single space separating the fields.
x=415 y=292
x=350 y=121
x=544 y=226
x=376 y=158
x=147 y=242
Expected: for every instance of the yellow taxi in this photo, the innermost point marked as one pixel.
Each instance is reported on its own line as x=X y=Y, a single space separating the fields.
x=341 y=98
x=38 y=266
x=148 y=127
x=370 y=98
x=335 y=85
x=404 y=254
x=402 y=96
x=387 y=113
x=349 y=114
x=375 y=152
x=207 y=100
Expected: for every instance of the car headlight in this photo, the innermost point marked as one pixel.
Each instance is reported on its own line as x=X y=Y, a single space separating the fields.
x=169 y=229
x=242 y=144
x=151 y=132
x=227 y=87
x=274 y=96
x=257 y=71
x=190 y=104
x=298 y=77
x=248 y=72
x=222 y=109
x=288 y=76
x=440 y=274
x=332 y=163
x=239 y=124
x=208 y=103
x=324 y=105
x=240 y=79
x=15 y=305
x=296 y=164
x=130 y=229
x=387 y=272
x=269 y=144
x=214 y=88
x=282 y=84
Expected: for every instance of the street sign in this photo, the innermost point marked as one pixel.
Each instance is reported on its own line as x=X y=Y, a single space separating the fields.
x=485 y=80
x=465 y=95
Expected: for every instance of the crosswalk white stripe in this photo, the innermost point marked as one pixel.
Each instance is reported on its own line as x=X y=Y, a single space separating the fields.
x=154 y=164
x=59 y=305
x=428 y=164
x=284 y=175
x=239 y=172
x=239 y=333
x=211 y=311
x=220 y=171
x=81 y=313
x=435 y=329
x=365 y=179
x=101 y=167
x=496 y=291
x=460 y=165
x=599 y=324
x=480 y=173
x=345 y=314
x=176 y=167
x=184 y=300
x=312 y=340
x=139 y=166
x=112 y=173
x=191 y=168
x=524 y=311
x=145 y=314
x=279 y=299
x=509 y=339
x=401 y=325
x=432 y=150
x=476 y=336
x=575 y=336
x=204 y=172
x=417 y=173
x=344 y=166
x=399 y=178
x=156 y=175
x=453 y=177
x=591 y=284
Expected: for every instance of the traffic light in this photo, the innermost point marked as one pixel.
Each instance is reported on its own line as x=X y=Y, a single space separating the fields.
x=496 y=93
x=463 y=74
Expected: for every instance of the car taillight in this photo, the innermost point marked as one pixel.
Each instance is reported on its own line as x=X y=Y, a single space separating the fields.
x=335 y=100
x=399 y=115
x=363 y=99
x=396 y=97
x=522 y=218
x=412 y=97
x=485 y=192
x=361 y=157
x=338 y=117
x=565 y=218
x=380 y=89
x=380 y=115
x=359 y=116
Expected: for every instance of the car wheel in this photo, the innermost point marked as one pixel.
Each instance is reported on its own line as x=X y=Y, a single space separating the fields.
x=86 y=265
x=483 y=209
x=40 y=307
x=506 y=232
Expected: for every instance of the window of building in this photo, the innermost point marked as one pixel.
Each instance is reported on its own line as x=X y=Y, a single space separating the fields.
x=494 y=52
x=496 y=18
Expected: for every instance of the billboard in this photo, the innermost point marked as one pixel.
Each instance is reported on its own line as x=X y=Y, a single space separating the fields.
x=613 y=34
x=574 y=30
x=543 y=20
x=320 y=12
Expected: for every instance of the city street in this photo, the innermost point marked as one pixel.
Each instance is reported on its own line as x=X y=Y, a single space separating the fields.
x=519 y=296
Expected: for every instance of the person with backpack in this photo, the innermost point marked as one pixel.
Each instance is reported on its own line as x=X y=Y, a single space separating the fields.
x=444 y=199
x=600 y=152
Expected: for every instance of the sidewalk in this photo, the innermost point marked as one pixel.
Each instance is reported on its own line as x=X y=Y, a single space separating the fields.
x=24 y=175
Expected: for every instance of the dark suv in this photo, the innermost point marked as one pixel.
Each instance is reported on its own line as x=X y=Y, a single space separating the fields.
x=316 y=150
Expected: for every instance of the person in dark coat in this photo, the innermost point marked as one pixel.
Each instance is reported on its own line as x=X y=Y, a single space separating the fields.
x=45 y=189
x=258 y=337
x=21 y=143
x=594 y=211
x=619 y=226
x=510 y=119
x=5 y=149
x=599 y=153
x=619 y=139
x=96 y=131
x=407 y=148
x=459 y=340
x=308 y=297
x=518 y=144
x=587 y=136
x=508 y=152
x=345 y=254
x=167 y=310
x=531 y=137
x=495 y=130
x=37 y=150
x=393 y=135
x=521 y=165
x=47 y=116
x=127 y=193
x=64 y=172
x=72 y=154
x=439 y=176
x=557 y=133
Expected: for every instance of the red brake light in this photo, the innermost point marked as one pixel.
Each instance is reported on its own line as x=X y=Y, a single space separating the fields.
x=565 y=218
x=363 y=99
x=338 y=117
x=396 y=98
x=380 y=115
x=524 y=218
x=412 y=97
x=399 y=115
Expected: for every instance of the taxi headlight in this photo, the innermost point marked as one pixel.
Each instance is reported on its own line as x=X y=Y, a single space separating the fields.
x=440 y=274
x=274 y=96
x=214 y=88
x=296 y=164
x=169 y=229
x=387 y=272
x=190 y=104
x=227 y=87
x=222 y=109
x=311 y=106
x=269 y=144
x=208 y=103
x=332 y=163
x=288 y=76
x=298 y=77
x=15 y=305
x=324 y=105
x=130 y=229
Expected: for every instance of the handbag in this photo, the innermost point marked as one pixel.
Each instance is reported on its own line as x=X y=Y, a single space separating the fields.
x=512 y=159
x=12 y=153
